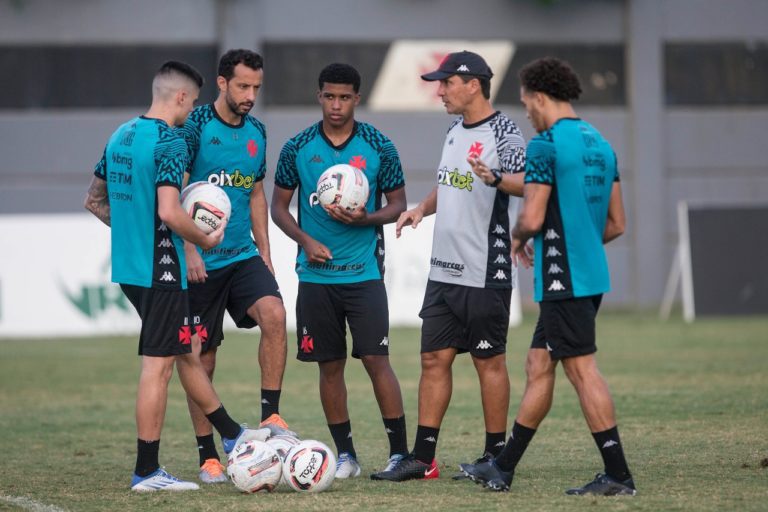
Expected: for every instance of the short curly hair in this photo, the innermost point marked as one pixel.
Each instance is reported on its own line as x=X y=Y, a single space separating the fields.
x=551 y=76
x=232 y=58
x=337 y=73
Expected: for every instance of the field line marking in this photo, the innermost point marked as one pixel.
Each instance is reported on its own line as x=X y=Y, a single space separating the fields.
x=30 y=504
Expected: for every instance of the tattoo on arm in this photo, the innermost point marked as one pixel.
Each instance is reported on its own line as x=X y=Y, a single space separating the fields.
x=97 y=200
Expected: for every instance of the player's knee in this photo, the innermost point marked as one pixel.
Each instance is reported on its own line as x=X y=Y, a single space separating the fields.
x=431 y=362
x=271 y=316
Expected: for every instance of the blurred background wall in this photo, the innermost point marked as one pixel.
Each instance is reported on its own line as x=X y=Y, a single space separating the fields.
x=680 y=87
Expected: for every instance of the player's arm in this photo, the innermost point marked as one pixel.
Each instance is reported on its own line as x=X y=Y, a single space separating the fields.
x=412 y=217
x=281 y=215
x=530 y=220
x=615 y=224
x=260 y=222
x=396 y=204
x=509 y=183
x=173 y=215
x=97 y=200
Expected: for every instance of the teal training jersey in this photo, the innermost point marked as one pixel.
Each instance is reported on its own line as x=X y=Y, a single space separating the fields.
x=580 y=166
x=142 y=155
x=358 y=251
x=233 y=158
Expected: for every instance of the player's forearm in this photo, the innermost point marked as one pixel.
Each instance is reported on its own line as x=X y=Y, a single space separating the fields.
x=428 y=205
x=396 y=204
x=612 y=231
x=512 y=184
x=97 y=201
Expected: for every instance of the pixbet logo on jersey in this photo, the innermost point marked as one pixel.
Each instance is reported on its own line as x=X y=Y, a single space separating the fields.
x=236 y=179
x=455 y=179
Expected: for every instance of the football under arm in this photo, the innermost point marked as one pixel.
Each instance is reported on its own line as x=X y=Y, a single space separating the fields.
x=97 y=200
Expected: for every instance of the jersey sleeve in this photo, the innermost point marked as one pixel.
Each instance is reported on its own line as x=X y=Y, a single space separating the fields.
x=287 y=174
x=172 y=161
x=100 y=170
x=511 y=147
x=540 y=162
x=190 y=133
x=616 y=177
x=390 y=175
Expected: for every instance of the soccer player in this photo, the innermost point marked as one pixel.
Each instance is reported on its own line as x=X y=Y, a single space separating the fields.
x=227 y=147
x=572 y=206
x=135 y=191
x=467 y=299
x=340 y=263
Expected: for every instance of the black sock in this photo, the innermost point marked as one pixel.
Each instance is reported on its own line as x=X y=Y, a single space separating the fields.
x=609 y=444
x=146 y=457
x=224 y=425
x=512 y=453
x=206 y=448
x=270 y=402
x=396 y=432
x=494 y=442
x=342 y=437
x=426 y=443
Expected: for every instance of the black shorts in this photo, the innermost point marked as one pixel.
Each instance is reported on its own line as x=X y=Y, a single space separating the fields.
x=469 y=319
x=566 y=328
x=234 y=288
x=165 y=325
x=322 y=311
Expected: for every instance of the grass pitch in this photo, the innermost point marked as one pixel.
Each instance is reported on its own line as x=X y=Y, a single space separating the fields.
x=692 y=404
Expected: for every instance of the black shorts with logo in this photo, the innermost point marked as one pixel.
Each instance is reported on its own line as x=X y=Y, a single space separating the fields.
x=566 y=328
x=233 y=288
x=469 y=319
x=165 y=320
x=323 y=310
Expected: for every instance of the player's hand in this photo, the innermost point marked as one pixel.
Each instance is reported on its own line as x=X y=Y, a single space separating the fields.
x=481 y=169
x=316 y=252
x=521 y=253
x=354 y=217
x=410 y=217
x=195 y=265
x=215 y=237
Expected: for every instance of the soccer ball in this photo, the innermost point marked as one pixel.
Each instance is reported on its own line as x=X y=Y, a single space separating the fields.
x=207 y=204
x=342 y=185
x=282 y=445
x=310 y=466
x=254 y=466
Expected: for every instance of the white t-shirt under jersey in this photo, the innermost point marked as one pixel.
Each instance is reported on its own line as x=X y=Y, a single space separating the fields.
x=471 y=242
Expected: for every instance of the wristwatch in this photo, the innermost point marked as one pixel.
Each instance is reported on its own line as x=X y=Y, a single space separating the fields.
x=496 y=178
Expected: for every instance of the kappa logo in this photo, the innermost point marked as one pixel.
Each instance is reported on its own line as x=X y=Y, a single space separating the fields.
x=388 y=430
x=610 y=443
x=162 y=227
x=556 y=286
x=317 y=159
x=265 y=401
x=551 y=234
x=554 y=268
x=500 y=444
x=167 y=277
x=430 y=439
x=384 y=342
x=499 y=243
x=450 y=141
x=462 y=68
x=549 y=349
x=498 y=230
x=500 y=275
x=552 y=251
x=165 y=242
x=215 y=141
x=166 y=260
x=483 y=345
x=500 y=260
x=349 y=436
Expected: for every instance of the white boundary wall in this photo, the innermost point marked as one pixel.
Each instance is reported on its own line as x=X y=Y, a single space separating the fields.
x=55 y=277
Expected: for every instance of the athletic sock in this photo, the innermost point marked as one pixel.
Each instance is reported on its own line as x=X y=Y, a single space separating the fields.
x=512 y=453
x=270 y=402
x=609 y=444
x=146 y=457
x=206 y=448
x=342 y=437
x=224 y=425
x=426 y=443
x=396 y=432
x=494 y=442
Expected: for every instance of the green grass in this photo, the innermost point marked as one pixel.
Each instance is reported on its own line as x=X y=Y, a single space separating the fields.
x=692 y=403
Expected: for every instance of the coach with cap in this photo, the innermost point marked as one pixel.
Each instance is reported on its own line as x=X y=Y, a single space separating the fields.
x=467 y=299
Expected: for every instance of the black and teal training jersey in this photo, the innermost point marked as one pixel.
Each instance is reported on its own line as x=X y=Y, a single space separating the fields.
x=580 y=166
x=142 y=155
x=358 y=251
x=233 y=158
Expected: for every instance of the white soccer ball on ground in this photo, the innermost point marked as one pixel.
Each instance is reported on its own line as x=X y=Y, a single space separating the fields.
x=310 y=466
x=343 y=185
x=282 y=445
x=207 y=204
x=254 y=466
